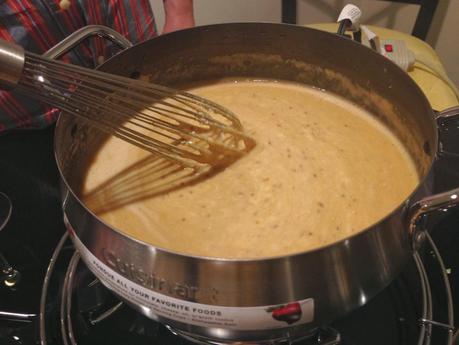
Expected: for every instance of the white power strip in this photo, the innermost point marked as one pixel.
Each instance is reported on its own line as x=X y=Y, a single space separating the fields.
x=398 y=52
x=395 y=50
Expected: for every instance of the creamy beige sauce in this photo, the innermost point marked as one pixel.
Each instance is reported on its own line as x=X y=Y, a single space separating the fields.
x=322 y=170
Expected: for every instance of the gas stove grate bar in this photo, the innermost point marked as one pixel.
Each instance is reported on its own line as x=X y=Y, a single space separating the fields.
x=66 y=301
x=439 y=324
x=106 y=313
x=425 y=320
x=449 y=297
x=44 y=290
x=426 y=329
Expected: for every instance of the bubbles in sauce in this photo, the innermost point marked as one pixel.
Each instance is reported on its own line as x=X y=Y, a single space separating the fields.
x=323 y=169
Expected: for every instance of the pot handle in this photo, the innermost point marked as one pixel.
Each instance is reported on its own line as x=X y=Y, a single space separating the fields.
x=440 y=201
x=78 y=36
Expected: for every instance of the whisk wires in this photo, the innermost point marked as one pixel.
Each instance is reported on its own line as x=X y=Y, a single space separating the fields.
x=175 y=124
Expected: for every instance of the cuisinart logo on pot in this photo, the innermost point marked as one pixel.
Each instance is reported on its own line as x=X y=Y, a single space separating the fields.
x=149 y=280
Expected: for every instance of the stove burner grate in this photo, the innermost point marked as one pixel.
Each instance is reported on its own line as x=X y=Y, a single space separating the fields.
x=323 y=336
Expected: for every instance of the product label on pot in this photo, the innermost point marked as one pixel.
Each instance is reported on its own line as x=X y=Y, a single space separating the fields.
x=204 y=315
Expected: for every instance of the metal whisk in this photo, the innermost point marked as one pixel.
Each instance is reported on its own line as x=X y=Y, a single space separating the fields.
x=175 y=124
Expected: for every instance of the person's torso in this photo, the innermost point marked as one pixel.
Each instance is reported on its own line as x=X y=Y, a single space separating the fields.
x=37 y=25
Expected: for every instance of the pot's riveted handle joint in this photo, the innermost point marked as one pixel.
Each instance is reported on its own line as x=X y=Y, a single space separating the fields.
x=78 y=36
x=448 y=127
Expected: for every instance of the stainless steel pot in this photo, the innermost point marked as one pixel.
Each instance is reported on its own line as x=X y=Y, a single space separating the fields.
x=262 y=299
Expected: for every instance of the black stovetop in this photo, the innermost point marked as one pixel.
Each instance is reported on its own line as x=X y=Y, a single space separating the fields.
x=29 y=177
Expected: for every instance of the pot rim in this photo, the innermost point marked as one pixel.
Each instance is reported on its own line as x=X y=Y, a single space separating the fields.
x=408 y=201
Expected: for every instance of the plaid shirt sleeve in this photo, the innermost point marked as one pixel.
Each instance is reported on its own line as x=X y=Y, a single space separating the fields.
x=37 y=25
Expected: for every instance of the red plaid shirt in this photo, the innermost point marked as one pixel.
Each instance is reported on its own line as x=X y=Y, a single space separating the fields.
x=37 y=25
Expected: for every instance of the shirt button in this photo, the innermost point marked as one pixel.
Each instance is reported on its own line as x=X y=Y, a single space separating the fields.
x=64 y=4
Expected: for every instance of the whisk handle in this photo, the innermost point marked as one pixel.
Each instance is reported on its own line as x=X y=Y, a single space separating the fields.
x=11 y=64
